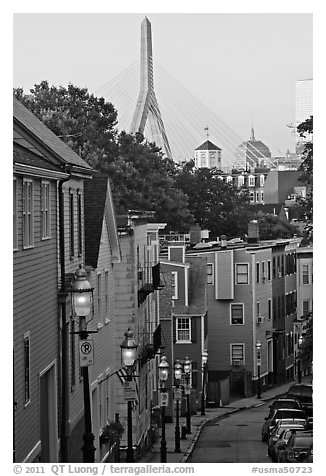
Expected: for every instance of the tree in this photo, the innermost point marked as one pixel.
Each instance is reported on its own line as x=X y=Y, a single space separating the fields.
x=272 y=227
x=218 y=206
x=142 y=178
x=303 y=209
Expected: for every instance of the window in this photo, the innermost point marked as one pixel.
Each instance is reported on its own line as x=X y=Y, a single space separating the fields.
x=257 y=272
x=229 y=179
x=242 y=273
x=305 y=274
x=14 y=208
x=306 y=308
x=174 y=285
x=269 y=270
x=261 y=180
x=251 y=196
x=240 y=181
x=269 y=309
x=282 y=265
x=45 y=209
x=28 y=206
x=251 y=180
x=210 y=279
x=27 y=377
x=262 y=196
x=278 y=266
x=237 y=353
x=257 y=196
x=79 y=223
x=274 y=267
x=99 y=297
x=237 y=314
x=106 y=283
x=274 y=309
x=183 y=329
x=258 y=309
x=71 y=224
x=263 y=275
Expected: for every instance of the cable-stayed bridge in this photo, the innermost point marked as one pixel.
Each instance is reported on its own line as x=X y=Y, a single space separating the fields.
x=170 y=115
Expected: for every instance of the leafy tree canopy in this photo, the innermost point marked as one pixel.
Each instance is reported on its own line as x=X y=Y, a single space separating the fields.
x=218 y=206
x=272 y=227
x=303 y=210
x=142 y=178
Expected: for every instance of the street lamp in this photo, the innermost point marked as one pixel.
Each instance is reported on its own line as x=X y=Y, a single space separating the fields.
x=82 y=302
x=300 y=340
x=258 y=357
x=187 y=370
x=177 y=377
x=163 y=370
x=204 y=362
x=128 y=357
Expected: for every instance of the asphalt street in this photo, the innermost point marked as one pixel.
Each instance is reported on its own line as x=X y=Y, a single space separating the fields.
x=234 y=438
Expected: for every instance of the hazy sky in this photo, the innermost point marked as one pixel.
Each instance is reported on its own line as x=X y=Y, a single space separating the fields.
x=243 y=66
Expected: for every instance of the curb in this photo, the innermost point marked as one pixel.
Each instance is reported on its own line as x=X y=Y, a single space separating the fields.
x=201 y=426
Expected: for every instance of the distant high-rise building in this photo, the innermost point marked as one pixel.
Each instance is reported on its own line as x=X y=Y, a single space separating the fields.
x=303 y=107
x=252 y=153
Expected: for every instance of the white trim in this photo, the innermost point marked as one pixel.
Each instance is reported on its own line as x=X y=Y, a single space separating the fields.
x=243 y=313
x=15 y=214
x=42 y=210
x=38 y=172
x=175 y=274
x=33 y=453
x=174 y=263
x=243 y=352
x=236 y=274
x=188 y=341
x=186 y=285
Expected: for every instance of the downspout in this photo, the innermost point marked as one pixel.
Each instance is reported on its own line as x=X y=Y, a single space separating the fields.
x=64 y=334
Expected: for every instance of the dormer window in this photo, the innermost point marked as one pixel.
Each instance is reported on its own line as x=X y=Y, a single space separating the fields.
x=251 y=180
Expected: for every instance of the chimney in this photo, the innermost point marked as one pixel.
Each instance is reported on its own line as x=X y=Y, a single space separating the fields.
x=195 y=235
x=223 y=241
x=253 y=232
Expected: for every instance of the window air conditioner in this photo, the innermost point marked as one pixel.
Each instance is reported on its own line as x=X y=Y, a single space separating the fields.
x=260 y=319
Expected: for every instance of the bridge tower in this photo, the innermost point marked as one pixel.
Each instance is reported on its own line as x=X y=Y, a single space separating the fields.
x=147 y=113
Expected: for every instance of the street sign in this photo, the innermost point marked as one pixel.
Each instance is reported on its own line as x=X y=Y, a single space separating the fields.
x=164 y=399
x=177 y=394
x=86 y=352
x=187 y=389
x=130 y=391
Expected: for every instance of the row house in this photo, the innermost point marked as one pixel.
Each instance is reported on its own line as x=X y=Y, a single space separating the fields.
x=48 y=242
x=102 y=251
x=137 y=283
x=246 y=299
x=184 y=317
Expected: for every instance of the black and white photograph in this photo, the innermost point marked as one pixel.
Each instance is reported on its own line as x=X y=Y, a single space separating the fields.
x=162 y=240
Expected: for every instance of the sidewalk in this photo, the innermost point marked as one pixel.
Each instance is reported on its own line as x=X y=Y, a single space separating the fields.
x=198 y=421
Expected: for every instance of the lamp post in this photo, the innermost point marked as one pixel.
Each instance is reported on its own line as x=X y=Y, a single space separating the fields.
x=204 y=362
x=299 y=360
x=187 y=370
x=82 y=301
x=128 y=357
x=163 y=370
x=258 y=358
x=177 y=377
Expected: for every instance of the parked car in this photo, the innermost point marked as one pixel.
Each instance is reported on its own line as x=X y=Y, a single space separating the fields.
x=303 y=393
x=280 y=435
x=280 y=414
x=297 y=449
x=309 y=423
x=284 y=403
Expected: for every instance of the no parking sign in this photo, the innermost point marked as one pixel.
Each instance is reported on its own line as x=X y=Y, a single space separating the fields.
x=86 y=352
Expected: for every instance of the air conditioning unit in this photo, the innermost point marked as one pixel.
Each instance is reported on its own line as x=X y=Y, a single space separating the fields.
x=236 y=362
x=260 y=319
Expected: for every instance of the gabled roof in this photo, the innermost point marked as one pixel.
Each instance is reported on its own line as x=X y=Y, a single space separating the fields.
x=208 y=145
x=98 y=203
x=33 y=127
